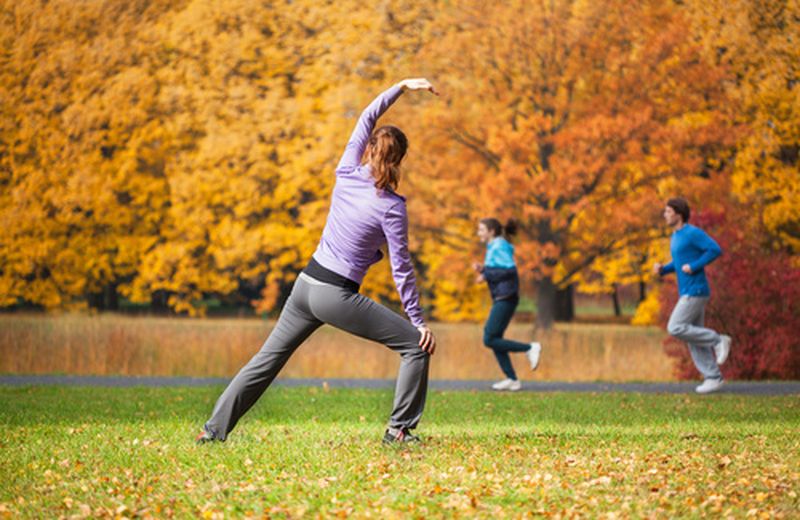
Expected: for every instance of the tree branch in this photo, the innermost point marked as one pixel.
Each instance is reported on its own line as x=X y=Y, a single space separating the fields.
x=474 y=144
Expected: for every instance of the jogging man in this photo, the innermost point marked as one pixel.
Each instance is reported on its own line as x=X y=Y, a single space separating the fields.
x=692 y=250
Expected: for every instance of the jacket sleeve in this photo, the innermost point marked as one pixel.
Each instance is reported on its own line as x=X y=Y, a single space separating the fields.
x=709 y=247
x=395 y=227
x=666 y=269
x=351 y=157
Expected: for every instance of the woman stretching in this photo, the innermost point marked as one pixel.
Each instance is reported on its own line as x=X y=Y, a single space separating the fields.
x=500 y=273
x=365 y=214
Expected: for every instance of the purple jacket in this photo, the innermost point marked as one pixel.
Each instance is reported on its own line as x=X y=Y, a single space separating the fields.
x=362 y=219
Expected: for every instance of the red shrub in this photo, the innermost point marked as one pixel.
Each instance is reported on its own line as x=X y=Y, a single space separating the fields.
x=755 y=298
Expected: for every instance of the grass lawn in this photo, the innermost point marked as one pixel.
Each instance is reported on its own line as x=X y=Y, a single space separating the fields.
x=70 y=451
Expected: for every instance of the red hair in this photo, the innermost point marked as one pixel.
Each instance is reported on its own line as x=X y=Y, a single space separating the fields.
x=386 y=148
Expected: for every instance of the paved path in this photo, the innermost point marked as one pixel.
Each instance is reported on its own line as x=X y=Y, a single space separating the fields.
x=748 y=388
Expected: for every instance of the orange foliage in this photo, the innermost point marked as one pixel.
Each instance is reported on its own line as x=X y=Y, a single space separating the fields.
x=576 y=118
x=175 y=150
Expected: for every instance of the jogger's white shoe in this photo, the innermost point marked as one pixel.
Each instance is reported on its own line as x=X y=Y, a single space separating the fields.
x=722 y=349
x=510 y=385
x=533 y=354
x=709 y=385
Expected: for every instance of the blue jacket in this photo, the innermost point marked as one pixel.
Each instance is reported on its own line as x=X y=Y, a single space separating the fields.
x=691 y=245
x=499 y=269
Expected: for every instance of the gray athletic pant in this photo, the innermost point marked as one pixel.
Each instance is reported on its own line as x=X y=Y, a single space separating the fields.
x=310 y=304
x=686 y=324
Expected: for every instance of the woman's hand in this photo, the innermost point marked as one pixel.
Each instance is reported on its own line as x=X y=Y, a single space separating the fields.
x=426 y=341
x=418 y=84
x=477 y=267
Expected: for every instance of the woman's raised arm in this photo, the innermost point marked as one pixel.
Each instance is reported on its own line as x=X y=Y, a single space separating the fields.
x=351 y=157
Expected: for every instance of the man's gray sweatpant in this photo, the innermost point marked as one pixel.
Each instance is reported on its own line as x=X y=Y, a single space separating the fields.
x=686 y=324
x=310 y=304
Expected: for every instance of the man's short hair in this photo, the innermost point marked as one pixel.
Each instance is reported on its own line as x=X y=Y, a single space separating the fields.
x=680 y=206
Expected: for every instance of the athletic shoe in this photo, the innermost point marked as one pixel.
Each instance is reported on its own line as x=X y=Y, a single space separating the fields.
x=533 y=354
x=722 y=349
x=709 y=385
x=399 y=436
x=511 y=385
x=204 y=437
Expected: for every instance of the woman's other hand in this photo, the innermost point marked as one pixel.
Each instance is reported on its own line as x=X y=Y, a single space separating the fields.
x=427 y=341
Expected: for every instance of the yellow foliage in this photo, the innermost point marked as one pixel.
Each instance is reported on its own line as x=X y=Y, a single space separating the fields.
x=647 y=311
x=758 y=43
x=183 y=148
x=177 y=150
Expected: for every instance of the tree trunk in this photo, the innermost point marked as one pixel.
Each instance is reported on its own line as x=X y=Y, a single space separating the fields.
x=615 y=299
x=565 y=303
x=106 y=299
x=95 y=300
x=547 y=292
x=642 y=291
x=553 y=304
x=110 y=297
x=545 y=304
x=158 y=302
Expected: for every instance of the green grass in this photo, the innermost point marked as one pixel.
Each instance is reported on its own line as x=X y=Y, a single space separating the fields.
x=307 y=452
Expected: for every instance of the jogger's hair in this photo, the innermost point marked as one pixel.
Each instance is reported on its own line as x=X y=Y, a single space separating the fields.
x=681 y=207
x=494 y=225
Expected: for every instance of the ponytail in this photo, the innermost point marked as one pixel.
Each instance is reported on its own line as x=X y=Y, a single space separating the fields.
x=386 y=148
x=510 y=228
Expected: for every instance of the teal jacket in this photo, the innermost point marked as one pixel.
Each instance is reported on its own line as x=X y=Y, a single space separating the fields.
x=499 y=269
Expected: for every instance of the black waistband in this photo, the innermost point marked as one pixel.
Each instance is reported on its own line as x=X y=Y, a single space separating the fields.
x=323 y=274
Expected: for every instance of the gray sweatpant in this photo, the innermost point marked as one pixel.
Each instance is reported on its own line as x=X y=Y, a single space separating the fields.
x=310 y=304
x=686 y=324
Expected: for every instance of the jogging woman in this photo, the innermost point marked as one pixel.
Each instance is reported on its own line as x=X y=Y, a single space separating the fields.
x=365 y=214
x=500 y=273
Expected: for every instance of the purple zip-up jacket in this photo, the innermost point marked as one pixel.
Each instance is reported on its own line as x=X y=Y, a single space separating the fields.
x=362 y=218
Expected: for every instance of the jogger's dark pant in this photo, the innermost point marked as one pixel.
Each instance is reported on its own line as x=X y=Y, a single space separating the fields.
x=310 y=304
x=499 y=318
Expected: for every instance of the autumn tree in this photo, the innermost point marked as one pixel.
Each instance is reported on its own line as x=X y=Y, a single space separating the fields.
x=275 y=91
x=631 y=266
x=82 y=149
x=170 y=151
x=575 y=117
x=758 y=43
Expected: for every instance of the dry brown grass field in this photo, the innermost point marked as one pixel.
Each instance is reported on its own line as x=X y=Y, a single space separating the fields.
x=124 y=345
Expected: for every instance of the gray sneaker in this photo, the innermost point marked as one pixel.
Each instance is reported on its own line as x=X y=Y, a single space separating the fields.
x=722 y=349
x=204 y=437
x=400 y=436
x=709 y=385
